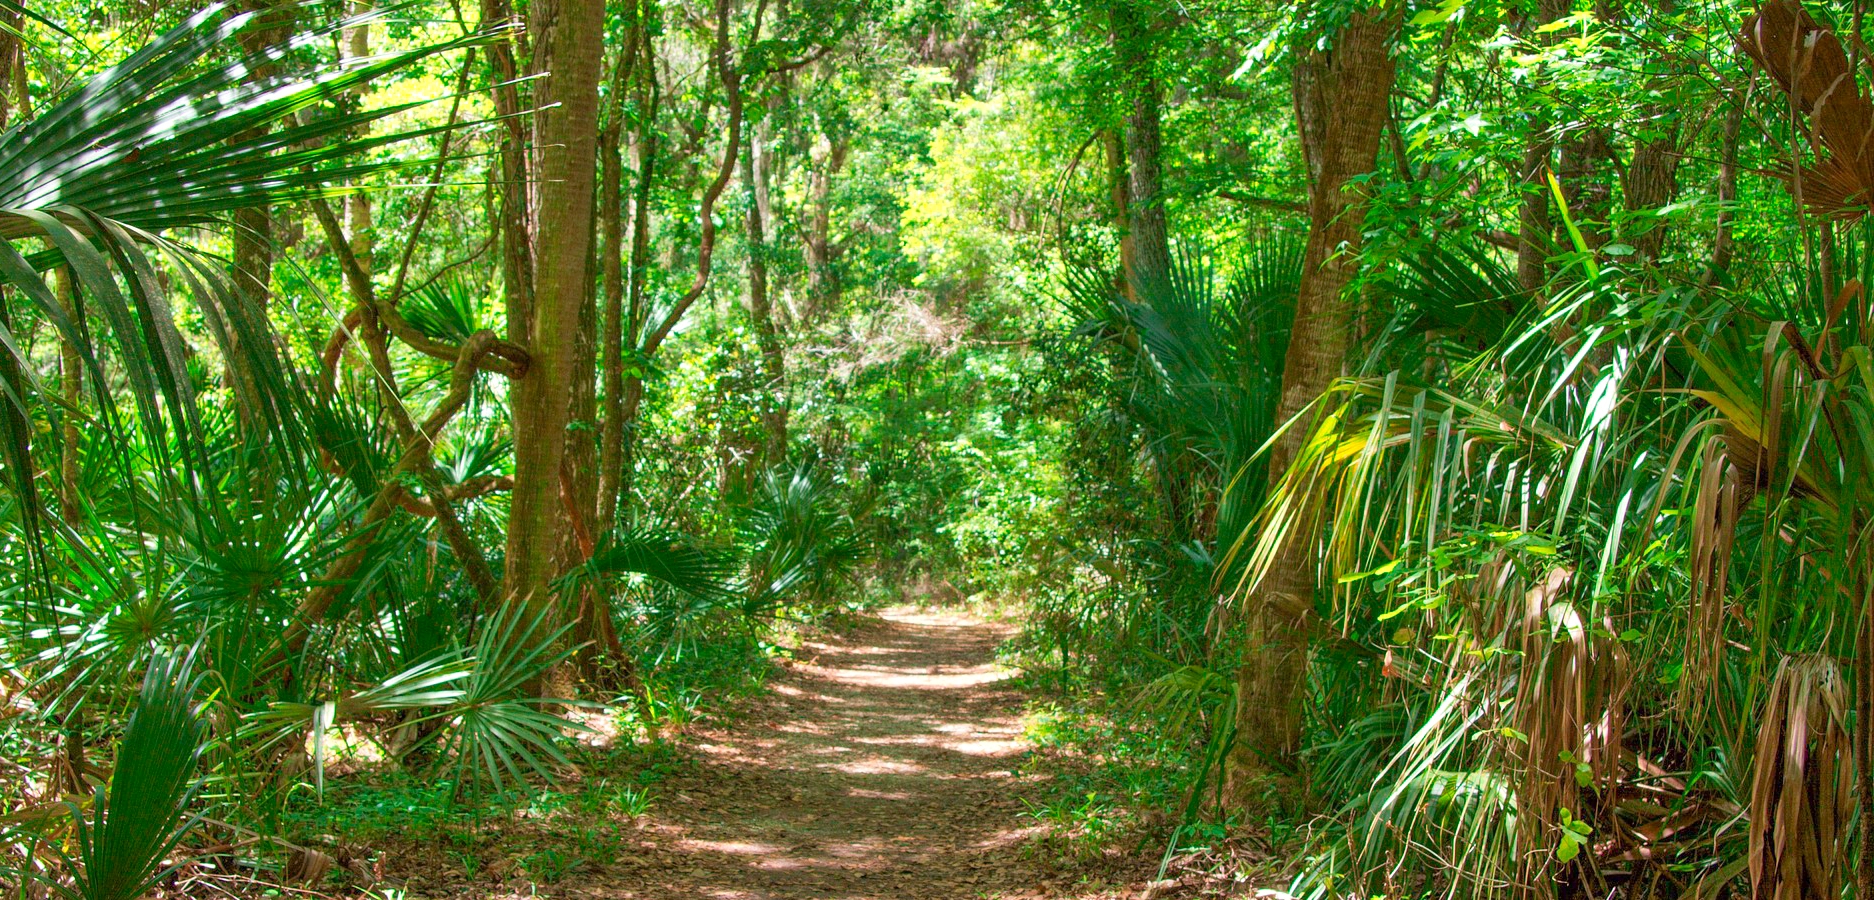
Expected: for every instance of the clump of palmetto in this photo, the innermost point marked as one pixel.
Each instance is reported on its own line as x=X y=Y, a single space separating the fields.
x=1542 y=757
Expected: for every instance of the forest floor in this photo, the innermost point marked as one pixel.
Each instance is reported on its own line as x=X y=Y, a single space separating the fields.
x=881 y=764
x=884 y=761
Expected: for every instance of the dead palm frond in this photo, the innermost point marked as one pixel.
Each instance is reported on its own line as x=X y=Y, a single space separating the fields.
x=1802 y=793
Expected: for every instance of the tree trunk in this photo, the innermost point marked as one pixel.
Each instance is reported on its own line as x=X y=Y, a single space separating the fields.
x=1145 y=221
x=620 y=437
x=1120 y=188
x=517 y=256
x=611 y=361
x=252 y=237
x=569 y=48
x=822 y=282
x=1533 y=224
x=1653 y=175
x=1721 y=240
x=1532 y=240
x=774 y=405
x=71 y=386
x=12 y=61
x=357 y=46
x=1341 y=96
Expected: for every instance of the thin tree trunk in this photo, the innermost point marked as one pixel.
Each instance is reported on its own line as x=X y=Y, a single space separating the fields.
x=569 y=49
x=517 y=266
x=617 y=439
x=1721 y=241
x=1653 y=174
x=357 y=46
x=774 y=406
x=823 y=286
x=611 y=361
x=1341 y=96
x=252 y=236
x=1533 y=224
x=71 y=385
x=12 y=62
x=1120 y=188
x=1146 y=223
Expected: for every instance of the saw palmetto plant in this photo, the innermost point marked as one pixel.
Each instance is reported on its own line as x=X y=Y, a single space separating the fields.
x=1614 y=569
x=191 y=512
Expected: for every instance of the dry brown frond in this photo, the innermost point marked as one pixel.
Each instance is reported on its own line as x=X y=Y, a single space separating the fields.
x=1807 y=62
x=1802 y=792
x=1714 y=530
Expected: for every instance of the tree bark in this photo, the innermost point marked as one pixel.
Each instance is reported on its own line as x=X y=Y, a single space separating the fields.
x=1341 y=98
x=774 y=406
x=517 y=257
x=12 y=62
x=621 y=415
x=252 y=237
x=71 y=385
x=358 y=226
x=1146 y=223
x=1653 y=174
x=1120 y=189
x=611 y=354
x=1533 y=224
x=569 y=49
x=1721 y=242
x=823 y=286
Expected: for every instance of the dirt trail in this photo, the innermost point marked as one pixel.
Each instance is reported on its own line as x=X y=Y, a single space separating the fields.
x=879 y=767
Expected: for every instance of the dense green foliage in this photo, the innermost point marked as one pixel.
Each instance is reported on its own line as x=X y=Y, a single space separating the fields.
x=1556 y=582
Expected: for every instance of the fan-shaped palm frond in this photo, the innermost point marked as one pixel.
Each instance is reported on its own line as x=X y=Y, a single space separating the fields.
x=1207 y=357
x=449 y=310
x=801 y=542
x=1466 y=291
x=671 y=559
x=134 y=825
x=174 y=135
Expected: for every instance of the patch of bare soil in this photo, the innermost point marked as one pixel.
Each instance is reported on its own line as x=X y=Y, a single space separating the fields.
x=880 y=766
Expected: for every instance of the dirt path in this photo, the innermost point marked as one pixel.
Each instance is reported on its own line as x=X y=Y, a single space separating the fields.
x=879 y=767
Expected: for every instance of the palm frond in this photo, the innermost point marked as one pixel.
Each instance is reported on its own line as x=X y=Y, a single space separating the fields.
x=124 y=844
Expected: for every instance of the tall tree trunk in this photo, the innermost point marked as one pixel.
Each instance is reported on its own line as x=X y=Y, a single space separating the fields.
x=1120 y=188
x=1534 y=244
x=828 y=157
x=252 y=236
x=1722 y=244
x=621 y=416
x=71 y=386
x=1341 y=96
x=1145 y=221
x=611 y=354
x=569 y=48
x=1653 y=174
x=1533 y=228
x=517 y=256
x=12 y=62
x=363 y=237
x=774 y=405
x=646 y=147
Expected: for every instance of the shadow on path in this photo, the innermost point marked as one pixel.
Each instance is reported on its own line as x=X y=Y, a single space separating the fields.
x=880 y=767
